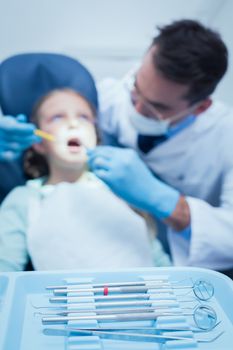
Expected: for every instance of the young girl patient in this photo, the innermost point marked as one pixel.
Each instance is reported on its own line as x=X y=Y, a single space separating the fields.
x=66 y=218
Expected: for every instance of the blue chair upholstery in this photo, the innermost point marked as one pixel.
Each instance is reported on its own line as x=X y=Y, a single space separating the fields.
x=25 y=78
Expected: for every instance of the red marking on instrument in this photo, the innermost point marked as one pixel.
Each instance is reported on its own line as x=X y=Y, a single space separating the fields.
x=105 y=290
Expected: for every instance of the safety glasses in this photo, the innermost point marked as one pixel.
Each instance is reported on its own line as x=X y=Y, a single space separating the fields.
x=149 y=109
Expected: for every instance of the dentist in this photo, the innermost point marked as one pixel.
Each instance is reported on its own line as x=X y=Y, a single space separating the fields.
x=174 y=156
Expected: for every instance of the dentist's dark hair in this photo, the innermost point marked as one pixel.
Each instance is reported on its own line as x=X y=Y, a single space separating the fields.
x=189 y=53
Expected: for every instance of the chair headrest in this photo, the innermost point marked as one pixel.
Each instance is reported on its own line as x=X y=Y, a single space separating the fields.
x=25 y=78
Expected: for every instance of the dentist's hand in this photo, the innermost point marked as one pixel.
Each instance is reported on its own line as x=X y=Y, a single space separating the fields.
x=16 y=135
x=126 y=174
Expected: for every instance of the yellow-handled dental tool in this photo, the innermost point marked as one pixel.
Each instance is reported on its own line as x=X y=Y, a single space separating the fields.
x=44 y=135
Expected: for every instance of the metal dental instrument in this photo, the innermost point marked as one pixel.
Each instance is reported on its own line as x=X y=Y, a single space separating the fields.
x=161 y=303
x=120 y=297
x=108 y=284
x=100 y=297
x=111 y=317
x=114 y=335
x=80 y=298
x=203 y=290
x=107 y=311
x=147 y=329
x=107 y=290
x=204 y=317
x=127 y=336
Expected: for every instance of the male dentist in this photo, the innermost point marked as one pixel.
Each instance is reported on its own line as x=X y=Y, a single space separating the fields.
x=174 y=157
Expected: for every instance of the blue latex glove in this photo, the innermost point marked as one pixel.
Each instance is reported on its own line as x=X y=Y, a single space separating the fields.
x=126 y=174
x=16 y=135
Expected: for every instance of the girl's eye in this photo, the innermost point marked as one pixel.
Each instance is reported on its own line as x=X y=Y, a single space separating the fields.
x=85 y=117
x=56 y=117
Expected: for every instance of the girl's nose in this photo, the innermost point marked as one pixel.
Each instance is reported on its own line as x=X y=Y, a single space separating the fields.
x=73 y=122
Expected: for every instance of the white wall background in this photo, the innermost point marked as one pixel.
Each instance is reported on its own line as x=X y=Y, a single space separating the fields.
x=108 y=35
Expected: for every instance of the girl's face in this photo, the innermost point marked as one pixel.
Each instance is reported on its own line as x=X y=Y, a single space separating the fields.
x=68 y=117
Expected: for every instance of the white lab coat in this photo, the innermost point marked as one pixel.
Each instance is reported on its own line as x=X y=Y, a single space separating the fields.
x=198 y=162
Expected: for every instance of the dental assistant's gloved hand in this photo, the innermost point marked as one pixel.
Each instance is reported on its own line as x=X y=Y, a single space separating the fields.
x=16 y=135
x=126 y=174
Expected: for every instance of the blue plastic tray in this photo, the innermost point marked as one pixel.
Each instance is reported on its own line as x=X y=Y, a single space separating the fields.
x=21 y=293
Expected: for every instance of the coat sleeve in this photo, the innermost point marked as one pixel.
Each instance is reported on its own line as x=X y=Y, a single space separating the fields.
x=211 y=239
x=13 y=227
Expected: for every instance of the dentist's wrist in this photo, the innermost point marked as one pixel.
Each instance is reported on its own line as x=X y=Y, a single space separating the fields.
x=162 y=200
x=180 y=218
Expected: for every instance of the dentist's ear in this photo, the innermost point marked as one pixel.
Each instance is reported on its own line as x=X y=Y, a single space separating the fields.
x=203 y=106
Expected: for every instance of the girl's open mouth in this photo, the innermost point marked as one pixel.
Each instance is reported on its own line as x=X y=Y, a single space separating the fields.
x=74 y=144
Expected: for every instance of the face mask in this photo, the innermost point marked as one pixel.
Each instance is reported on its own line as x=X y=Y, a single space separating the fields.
x=147 y=126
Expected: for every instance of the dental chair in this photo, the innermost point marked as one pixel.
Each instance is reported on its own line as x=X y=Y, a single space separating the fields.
x=24 y=79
